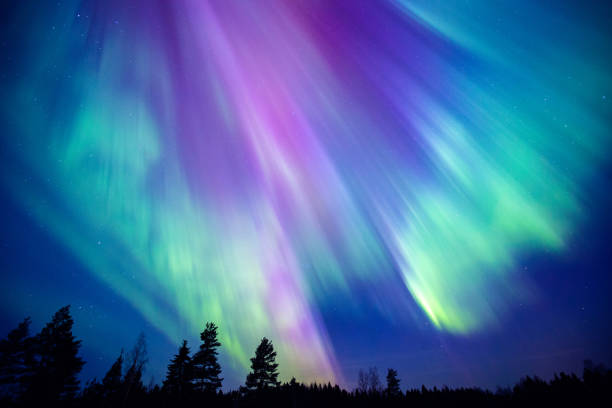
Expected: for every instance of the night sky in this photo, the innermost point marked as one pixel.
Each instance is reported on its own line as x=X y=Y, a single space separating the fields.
x=423 y=185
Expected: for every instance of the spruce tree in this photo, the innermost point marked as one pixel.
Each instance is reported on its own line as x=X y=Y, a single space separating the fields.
x=16 y=360
x=264 y=367
x=393 y=384
x=206 y=368
x=112 y=382
x=178 y=377
x=57 y=363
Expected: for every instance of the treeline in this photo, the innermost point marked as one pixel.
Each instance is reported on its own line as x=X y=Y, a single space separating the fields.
x=41 y=371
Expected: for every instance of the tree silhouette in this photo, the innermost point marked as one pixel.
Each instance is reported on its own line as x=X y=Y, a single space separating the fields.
x=57 y=363
x=393 y=388
x=47 y=365
x=112 y=379
x=112 y=382
x=375 y=386
x=16 y=359
x=264 y=367
x=369 y=382
x=109 y=390
x=178 y=377
x=137 y=359
x=363 y=382
x=206 y=368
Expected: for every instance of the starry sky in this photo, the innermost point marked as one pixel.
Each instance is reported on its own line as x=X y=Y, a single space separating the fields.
x=422 y=185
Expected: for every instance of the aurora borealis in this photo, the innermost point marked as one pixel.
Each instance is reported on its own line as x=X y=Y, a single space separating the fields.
x=262 y=164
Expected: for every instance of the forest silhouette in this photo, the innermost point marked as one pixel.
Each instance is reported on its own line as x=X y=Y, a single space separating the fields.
x=41 y=371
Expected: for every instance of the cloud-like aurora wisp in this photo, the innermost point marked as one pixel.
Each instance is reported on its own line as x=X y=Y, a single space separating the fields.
x=243 y=162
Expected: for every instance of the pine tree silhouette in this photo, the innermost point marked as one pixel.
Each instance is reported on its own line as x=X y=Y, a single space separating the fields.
x=178 y=377
x=109 y=390
x=264 y=367
x=16 y=360
x=49 y=364
x=57 y=363
x=206 y=368
x=112 y=382
x=393 y=384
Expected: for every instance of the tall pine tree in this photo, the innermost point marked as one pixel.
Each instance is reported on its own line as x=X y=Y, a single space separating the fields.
x=264 y=372
x=57 y=363
x=178 y=378
x=206 y=368
x=16 y=360
x=393 y=384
